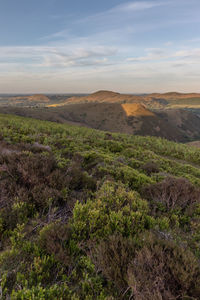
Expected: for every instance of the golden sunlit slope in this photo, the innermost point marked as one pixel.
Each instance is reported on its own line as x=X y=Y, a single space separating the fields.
x=136 y=109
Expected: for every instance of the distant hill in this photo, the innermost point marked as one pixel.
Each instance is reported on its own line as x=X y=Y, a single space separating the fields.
x=108 y=97
x=25 y=100
x=175 y=95
x=39 y=98
x=33 y=98
x=176 y=100
x=131 y=118
x=154 y=100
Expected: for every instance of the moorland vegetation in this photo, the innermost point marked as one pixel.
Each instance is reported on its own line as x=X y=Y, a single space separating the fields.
x=87 y=214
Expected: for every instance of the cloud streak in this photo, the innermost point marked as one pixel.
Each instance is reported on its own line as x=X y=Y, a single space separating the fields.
x=164 y=54
x=136 y=6
x=47 y=56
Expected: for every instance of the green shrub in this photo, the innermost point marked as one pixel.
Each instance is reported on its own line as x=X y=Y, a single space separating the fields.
x=115 y=209
x=40 y=293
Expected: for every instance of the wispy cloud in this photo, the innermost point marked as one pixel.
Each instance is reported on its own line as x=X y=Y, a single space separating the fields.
x=62 y=56
x=156 y=54
x=137 y=5
x=63 y=34
x=152 y=54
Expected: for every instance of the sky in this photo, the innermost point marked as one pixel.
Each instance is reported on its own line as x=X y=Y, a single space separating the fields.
x=81 y=46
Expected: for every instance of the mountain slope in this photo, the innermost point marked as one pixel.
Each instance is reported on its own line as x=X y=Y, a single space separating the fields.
x=154 y=100
x=131 y=118
x=81 y=209
x=109 y=97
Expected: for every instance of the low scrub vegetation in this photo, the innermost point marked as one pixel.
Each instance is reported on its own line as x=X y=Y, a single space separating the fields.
x=86 y=214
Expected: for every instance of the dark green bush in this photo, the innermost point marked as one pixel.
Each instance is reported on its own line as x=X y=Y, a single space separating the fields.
x=150 y=167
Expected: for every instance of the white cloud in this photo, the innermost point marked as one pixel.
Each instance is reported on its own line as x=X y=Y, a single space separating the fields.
x=189 y=53
x=60 y=56
x=149 y=76
x=80 y=69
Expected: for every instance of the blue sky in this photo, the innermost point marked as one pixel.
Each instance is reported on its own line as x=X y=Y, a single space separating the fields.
x=84 y=46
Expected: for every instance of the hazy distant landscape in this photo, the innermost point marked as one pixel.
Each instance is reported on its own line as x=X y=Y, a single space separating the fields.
x=154 y=101
x=174 y=116
x=32 y=100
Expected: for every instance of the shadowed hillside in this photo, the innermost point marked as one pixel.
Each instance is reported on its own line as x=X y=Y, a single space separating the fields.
x=131 y=118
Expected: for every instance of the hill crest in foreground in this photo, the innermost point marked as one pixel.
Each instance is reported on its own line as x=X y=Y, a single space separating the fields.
x=86 y=214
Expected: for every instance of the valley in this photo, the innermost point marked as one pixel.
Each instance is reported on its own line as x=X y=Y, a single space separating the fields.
x=159 y=115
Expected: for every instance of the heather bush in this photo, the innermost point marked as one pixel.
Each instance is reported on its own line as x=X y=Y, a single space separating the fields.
x=161 y=269
x=112 y=257
x=54 y=238
x=150 y=167
x=173 y=193
x=152 y=267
